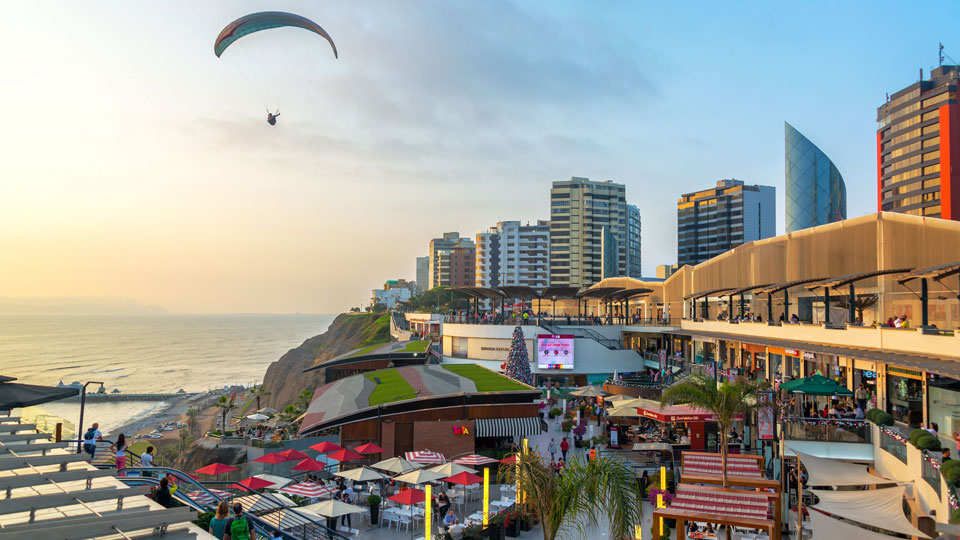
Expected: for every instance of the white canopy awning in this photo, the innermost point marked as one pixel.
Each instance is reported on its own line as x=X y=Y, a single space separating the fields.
x=827 y=528
x=829 y=472
x=882 y=508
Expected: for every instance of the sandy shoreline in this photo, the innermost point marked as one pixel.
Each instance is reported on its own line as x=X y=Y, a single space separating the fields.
x=175 y=410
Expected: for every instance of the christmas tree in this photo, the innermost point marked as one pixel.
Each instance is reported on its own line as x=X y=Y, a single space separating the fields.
x=518 y=362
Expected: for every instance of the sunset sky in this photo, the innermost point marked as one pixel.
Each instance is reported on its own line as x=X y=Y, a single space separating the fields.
x=137 y=164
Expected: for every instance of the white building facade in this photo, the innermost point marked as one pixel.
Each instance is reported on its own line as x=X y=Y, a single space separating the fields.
x=511 y=254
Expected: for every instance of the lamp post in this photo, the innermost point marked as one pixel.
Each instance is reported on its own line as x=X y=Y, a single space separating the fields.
x=83 y=403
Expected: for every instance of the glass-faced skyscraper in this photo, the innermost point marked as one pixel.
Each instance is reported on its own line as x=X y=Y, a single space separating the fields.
x=815 y=191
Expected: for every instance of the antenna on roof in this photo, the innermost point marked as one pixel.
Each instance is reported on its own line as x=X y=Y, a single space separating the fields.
x=940 y=55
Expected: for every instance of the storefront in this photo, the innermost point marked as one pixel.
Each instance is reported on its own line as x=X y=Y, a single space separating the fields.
x=943 y=403
x=704 y=352
x=785 y=362
x=905 y=395
x=865 y=373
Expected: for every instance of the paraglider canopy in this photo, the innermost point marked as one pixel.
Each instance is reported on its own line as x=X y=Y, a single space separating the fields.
x=266 y=20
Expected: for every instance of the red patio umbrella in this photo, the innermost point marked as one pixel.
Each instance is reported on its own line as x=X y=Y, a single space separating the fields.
x=274 y=458
x=309 y=464
x=255 y=483
x=474 y=459
x=368 y=448
x=509 y=460
x=345 y=455
x=291 y=455
x=464 y=478
x=326 y=446
x=216 y=468
x=409 y=496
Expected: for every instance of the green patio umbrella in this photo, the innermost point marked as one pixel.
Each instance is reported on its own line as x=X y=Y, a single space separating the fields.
x=815 y=385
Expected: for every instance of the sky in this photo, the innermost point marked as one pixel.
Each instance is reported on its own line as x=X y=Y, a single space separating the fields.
x=136 y=164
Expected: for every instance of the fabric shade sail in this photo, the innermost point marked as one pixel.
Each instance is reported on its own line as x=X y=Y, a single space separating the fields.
x=827 y=527
x=828 y=472
x=15 y=395
x=881 y=508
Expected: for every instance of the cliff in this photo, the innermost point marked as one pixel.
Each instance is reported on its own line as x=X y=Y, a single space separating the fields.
x=285 y=378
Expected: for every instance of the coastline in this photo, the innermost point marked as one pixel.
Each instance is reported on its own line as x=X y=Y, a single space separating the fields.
x=174 y=410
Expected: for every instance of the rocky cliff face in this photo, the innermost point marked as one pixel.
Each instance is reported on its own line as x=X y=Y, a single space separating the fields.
x=285 y=378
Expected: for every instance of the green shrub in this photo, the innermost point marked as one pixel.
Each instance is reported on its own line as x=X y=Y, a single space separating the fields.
x=555 y=412
x=373 y=500
x=664 y=536
x=916 y=434
x=928 y=442
x=872 y=413
x=203 y=520
x=951 y=471
x=883 y=419
x=955 y=516
x=567 y=425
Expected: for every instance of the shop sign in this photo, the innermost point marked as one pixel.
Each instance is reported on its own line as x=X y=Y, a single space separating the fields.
x=808 y=356
x=904 y=372
x=792 y=352
x=460 y=430
x=869 y=374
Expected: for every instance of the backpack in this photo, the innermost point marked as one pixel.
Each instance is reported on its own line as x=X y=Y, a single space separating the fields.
x=239 y=529
x=88 y=436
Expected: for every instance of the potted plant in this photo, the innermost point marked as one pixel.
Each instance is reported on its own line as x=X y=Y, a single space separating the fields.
x=526 y=522
x=555 y=412
x=567 y=425
x=543 y=408
x=496 y=529
x=578 y=433
x=373 y=501
x=473 y=532
x=511 y=524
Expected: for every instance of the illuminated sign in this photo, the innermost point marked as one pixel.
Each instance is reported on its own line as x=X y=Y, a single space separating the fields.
x=555 y=351
x=460 y=430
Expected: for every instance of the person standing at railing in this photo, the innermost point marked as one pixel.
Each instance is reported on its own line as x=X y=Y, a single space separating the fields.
x=90 y=439
x=120 y=455
x=146 y=460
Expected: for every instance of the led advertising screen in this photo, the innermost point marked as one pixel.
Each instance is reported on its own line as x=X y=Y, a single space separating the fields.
x=555 y=351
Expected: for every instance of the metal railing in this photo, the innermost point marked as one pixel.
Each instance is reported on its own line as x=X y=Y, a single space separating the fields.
x=892 y=446
x=930 y=470
x=828 y=430
x=585 y=333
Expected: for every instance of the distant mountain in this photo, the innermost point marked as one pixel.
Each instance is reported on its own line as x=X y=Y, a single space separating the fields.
x=76 y=306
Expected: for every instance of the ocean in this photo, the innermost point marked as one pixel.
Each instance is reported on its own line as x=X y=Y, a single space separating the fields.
x=146 y=354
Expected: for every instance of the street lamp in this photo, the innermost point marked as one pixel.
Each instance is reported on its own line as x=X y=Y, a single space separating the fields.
x=83 y=402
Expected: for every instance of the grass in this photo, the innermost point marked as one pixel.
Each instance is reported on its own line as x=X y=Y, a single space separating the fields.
x=416 y=346
x=366 y=350
x=392 y=387
x=486 y=380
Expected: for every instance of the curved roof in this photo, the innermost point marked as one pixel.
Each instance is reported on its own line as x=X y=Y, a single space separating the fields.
x=478 y=292
x=629 y=293
x=560 y=292
x=519 y=292
x=939 y=272
x=599 y=292
x=840 y=281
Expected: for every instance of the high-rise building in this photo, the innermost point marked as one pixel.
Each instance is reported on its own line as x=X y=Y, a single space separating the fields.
x=633 y=241
x=510 y=254
x=454 y=251
x=423 y=274
x=579 y=211
x=716 y=220
x=918 y=148
x=815 y=193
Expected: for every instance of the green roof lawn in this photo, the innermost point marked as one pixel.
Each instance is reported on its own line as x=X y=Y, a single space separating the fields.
x=486 y=380
x=392 y=387
x=367 y=350
x=416 y=346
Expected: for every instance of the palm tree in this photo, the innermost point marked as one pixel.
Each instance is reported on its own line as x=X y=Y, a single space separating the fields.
x=259 y=392
x=726 y=401
x=192 y=422
x=587 y=493
x=303 y=400
x=225 y=405
x=860 y=304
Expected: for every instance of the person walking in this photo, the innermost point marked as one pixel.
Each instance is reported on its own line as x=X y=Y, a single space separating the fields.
x=120 y=454
x=219 y=522
x=552 y=448
x=90 y=439
x=347 y=498
x=238 y=527
x=862 y=396
x=564 y=446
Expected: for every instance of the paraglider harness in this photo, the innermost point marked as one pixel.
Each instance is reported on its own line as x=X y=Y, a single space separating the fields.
x=272 y=118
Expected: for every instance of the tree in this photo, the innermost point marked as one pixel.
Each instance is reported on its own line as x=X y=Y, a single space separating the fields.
x=726 y=401
x=518 y=361
x=226 y=405
x=860 y=304
x=303 y=400
x=259 y=392
x=587 y=493
x=192 y=422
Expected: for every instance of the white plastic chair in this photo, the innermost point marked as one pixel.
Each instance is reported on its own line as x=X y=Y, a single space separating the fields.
x=404 y=520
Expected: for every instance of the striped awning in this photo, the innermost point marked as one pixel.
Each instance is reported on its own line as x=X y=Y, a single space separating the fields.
x=507 y=427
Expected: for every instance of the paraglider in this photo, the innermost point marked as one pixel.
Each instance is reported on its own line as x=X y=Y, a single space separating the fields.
x=265 y=20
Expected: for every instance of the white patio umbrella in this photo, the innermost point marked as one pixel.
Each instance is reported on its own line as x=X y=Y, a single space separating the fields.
x=616 y=398
x=361 y=474
x=420 y=476
x=267 y=410
x=588 y=391
x=257 y=417
x=625 y=411
x=450 y=468
x=395 y=465
x=278 y=481
x=332 y=508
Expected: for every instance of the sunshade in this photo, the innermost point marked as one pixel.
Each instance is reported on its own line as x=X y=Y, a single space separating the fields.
x=272 y=458
x=326 y=446
x=618 y=397
x=277 y=481
x=450 y=469
x=827 y=527
x=368 y=448
x=309 y=490
x=882 y=508
x=284 y=500
x=588 y=391
x=216 y=468
x=829 y=472
x=332 y=508
x=464 y=478
x=267 y=410
x=815 y=385
x=509 y=460
x=345 y=455
x=425 y=456
x=214 y=496
x=258 y=417
x=420 y=476
x=255 y=483
x=14 y=395
x=293 y=455
x=474 y=459
x=409 y=496
x=309 y=465
x=361 y=474
x=395 y=465
x=626 y=411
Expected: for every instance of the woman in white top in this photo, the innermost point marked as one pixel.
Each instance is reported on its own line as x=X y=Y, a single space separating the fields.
x=120 y=458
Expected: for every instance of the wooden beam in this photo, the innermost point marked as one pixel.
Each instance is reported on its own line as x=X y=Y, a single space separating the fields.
x=32 y=447
x=14 y=482
x=691 y=515
x=759 y=459
x=737 y=481
x=39 y=502
x=17 y=437
x=9 y=463
x=9 y=419
x=75 y=528
x=10 y=428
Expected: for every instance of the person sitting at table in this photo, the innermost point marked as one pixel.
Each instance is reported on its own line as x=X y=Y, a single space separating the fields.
x=443 y=503
x=450 y=519
x=709 y=529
